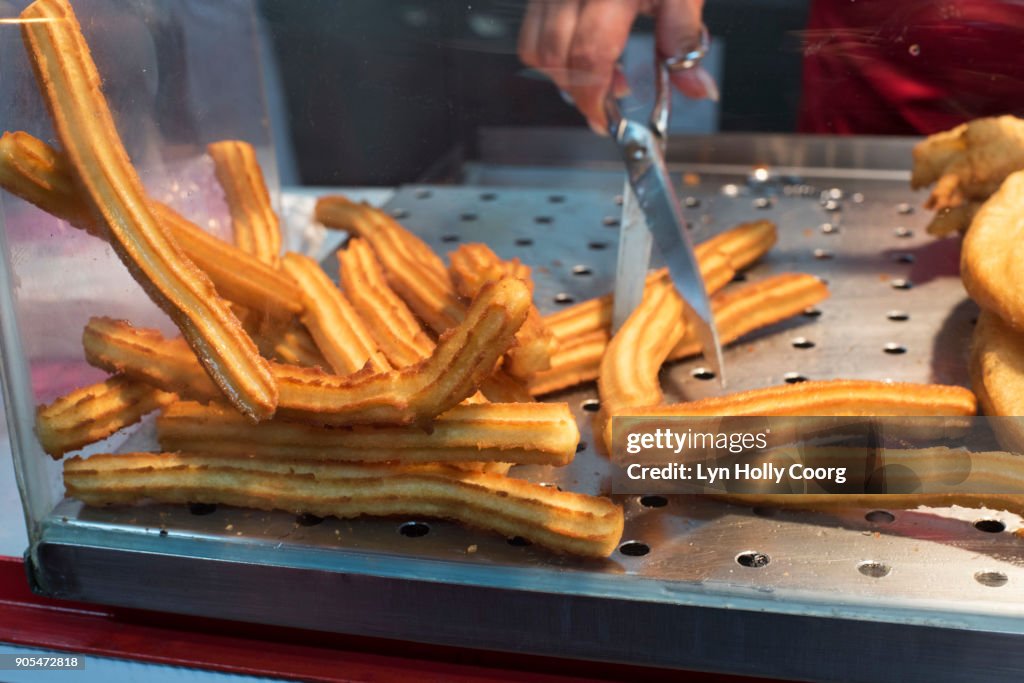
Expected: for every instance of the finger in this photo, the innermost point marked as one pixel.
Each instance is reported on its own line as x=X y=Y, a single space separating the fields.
x=677 y=31
x=556 y=35
x=601 y=34
x=529 y=32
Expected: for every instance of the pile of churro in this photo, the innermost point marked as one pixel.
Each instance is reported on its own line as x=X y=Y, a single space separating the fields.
x=410 y=389
x=978 y=171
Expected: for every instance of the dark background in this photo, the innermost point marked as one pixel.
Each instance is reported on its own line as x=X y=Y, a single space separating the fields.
x=378 y=91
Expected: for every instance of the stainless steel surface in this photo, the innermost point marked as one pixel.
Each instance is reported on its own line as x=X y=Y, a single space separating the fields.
x=697 y=583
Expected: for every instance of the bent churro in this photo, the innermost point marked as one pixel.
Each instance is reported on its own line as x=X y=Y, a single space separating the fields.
x=520 y=433
x=339 y=332
x=34 y=171
x=95 y=412
x=391 y=324
x=69 y=82
x=738 y=312
x=473 y=266
x=413 y=270
x=561 y=521
x=719 y=258
x=253 y=221
x=992 y=257
x=464 y=357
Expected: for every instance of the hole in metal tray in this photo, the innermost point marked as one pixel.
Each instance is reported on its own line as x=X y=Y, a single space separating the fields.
x=519 y=542
x=449 y=238
x=894 y=349
x=543 y=220
x=414 y=529
x=634 y=549
x=812 y=312
x=610 y=222
x=653 y=501
x=802 y=343
x=991 y=526
x=991 y=579
x=753 y=559
x=901 y=283
x=903 y=232
x=202 y=508
x=524 y=242
x=793 y=378
x=308 y=519
x=581 y=271
x=488 y=196
x=591 y=405
x=880 y=517
x=874 y=569
x=898 y=316
x=702 y=373
x=564 y=299
x=597 y=246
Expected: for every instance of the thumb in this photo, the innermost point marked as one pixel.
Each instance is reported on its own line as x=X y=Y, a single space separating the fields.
x=677 y=31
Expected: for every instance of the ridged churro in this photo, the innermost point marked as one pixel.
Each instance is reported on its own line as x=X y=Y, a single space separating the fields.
x=397 y=333
x=719 y=258
x=255 y=225
x=34 y=171
x=992 y=257
x=93 y=413
x=145 y=355
x=473 y=266
x=70 y=85
x=464 y=357
x=339 y=332
x=634 y=356
x=997 y=377
x=414 y=271
x=520 y=433
x=561 y=521
x=738 y=312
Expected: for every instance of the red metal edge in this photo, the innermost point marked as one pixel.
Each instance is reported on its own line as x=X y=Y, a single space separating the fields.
x=242 y=648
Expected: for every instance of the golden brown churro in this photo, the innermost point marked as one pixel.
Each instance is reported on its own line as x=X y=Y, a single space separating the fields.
x=398 y=334
x=69 y=82
x=738 y=312
x=464 y=357
x=520 y=433
x=564 y=522
x=34 y=171
x=997 y=376
x=473 y=266
x=414 y=271
x=992 y=258
x=631 y=362
x=255 y=225
x=339 y=332
x=95 y=412
x=720 y=258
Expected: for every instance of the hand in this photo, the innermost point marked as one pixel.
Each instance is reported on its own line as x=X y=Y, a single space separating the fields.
x=577 y=42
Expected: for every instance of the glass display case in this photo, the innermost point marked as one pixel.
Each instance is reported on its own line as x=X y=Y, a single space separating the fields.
x=424 y=110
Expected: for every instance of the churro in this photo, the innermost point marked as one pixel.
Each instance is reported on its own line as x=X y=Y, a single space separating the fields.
x=474 y=265
x=339 y=332
x=34 y=171
x=719 y=258
x=254 y=223
x=631 y=361
x=394 y=328
x=295 y=346
x=93 y=413
x=145 y=355
x=520 y=433
x=69 y=82
x=997 y=377
x=412 y=268
x=464 y=357
x=738 y=312
x=564 y=522
x=992 y=257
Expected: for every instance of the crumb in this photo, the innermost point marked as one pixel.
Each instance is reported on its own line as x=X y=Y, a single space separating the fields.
x=808 y=232
x=471 y=549
x=883 y=277
x=229 y=527
x=691 y=179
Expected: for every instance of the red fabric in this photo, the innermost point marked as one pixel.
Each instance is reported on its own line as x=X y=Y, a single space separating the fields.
x=910 y=66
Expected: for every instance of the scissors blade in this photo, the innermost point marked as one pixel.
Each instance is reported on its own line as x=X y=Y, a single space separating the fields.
x=634 y=258
x=648 y=176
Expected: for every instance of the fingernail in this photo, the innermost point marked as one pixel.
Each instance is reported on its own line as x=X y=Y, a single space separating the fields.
x=705 y=79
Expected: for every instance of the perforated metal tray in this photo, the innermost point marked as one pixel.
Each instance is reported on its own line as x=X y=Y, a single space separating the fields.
x=827 y=593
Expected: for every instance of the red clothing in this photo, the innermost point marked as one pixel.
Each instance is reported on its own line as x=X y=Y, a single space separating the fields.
x=910 y=66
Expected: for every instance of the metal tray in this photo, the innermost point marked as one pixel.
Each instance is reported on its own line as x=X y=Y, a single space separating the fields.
x=831 y=596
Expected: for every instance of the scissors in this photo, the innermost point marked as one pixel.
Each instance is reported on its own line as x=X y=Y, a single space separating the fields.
x=651 y=211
